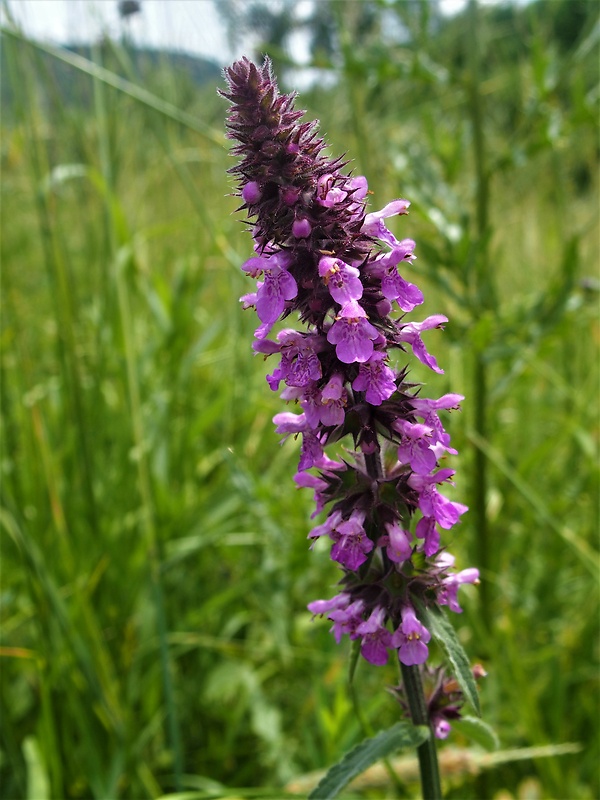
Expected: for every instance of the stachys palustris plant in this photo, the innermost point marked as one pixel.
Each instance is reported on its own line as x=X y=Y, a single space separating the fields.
x=323 y=260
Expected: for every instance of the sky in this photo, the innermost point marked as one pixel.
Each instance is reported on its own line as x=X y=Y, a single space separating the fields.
x=193 y=26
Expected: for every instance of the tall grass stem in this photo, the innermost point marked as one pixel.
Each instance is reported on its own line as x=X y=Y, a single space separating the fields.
x=122 y=256
x=483 y=298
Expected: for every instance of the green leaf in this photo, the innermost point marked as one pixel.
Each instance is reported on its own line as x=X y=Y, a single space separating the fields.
x=401 y=735
x=440 y=627
x=478 y=731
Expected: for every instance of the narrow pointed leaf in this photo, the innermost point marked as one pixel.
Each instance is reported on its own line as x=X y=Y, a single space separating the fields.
x=400 y=736
x=478 y=731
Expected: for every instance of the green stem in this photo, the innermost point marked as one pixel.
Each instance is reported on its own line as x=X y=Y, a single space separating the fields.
x=427 y=752
x=484 y=301
x=480 y=467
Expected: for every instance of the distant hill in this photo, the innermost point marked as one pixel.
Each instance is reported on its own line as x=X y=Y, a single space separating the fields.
x=161 y=71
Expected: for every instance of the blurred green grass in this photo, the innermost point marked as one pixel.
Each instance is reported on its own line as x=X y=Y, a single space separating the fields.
x=155 y=563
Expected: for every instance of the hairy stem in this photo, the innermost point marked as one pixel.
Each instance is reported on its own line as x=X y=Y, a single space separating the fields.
x=427 y=752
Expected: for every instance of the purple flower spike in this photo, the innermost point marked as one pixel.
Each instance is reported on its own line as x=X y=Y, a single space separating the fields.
x=324 y=262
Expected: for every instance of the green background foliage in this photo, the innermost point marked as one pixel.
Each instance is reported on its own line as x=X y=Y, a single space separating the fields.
x=154 y=634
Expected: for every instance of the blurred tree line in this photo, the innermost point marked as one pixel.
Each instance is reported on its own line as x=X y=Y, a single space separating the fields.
x=382 y=24
x=539 y=60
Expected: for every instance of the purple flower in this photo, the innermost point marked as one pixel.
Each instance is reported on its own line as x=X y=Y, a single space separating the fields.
x=411 y=638
x=347 y=620
x=328 y=194
x=334 y=399
x=299 y=365
x=351 y=543
x=305 y=480
x=374 y=225
x=432 y=503
x=427 y=409
x=441 y=727
x=375 y=379
x=393 y=285
x=375 y=637
x=248 y=300
x=426 y=530
x=320 y=607
x=425 y=405
x=396 y=542
x=415 y=446
x=311 y=452
x=341 y=279
x=352 y=334
x=327 y=527
x=277 y=287
x=410 y=333
x=448 y=593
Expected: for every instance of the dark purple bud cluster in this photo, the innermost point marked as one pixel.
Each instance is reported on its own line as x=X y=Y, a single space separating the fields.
x=321 y=257
x=443 y=696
